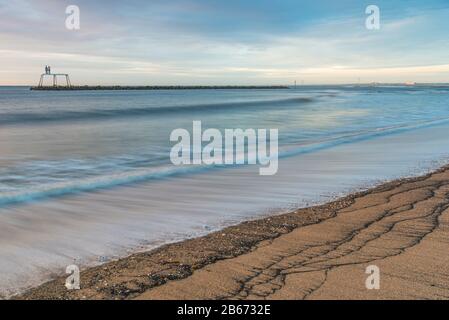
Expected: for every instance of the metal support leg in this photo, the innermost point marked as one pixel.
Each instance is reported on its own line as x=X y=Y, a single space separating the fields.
x=55 y=79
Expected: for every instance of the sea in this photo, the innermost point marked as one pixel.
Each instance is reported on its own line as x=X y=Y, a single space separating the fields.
x=86 y=176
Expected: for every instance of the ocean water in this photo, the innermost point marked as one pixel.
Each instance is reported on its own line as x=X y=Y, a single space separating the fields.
x=55 y=143
x=85 y=176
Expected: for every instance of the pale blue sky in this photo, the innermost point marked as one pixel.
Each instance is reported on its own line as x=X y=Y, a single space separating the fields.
x=225 y=42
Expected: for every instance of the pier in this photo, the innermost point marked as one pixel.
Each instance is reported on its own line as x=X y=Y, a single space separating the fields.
x=54 y=77
x=70 y=87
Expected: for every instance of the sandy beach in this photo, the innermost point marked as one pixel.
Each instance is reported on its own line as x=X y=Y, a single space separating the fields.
x=320 y=252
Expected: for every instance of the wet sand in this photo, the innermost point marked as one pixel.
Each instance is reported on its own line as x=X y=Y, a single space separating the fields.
x=314 y=253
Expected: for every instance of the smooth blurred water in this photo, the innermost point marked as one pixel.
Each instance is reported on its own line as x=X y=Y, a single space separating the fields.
x=114 y=146
x=54 y=143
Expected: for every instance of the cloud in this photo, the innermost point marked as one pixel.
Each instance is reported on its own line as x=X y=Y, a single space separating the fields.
x=209 y=42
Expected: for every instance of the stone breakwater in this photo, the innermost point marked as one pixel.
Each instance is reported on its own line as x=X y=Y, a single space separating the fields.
x=60 y=88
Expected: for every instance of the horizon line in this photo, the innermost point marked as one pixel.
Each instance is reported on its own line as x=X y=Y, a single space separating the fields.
x=242 y=85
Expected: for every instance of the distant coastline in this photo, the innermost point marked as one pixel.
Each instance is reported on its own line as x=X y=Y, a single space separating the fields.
x=59 y=88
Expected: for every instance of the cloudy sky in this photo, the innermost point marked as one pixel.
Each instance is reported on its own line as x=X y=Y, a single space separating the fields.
x=140 y=42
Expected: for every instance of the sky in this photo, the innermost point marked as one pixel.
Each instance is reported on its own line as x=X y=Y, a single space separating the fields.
x=211 y=42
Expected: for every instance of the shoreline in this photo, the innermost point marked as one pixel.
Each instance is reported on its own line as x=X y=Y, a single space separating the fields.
x=210 y=267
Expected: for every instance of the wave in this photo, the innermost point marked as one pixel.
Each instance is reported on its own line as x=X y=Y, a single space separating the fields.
x=143 y=175
x=91 y=184
x=361 y=136
x=52 y=116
